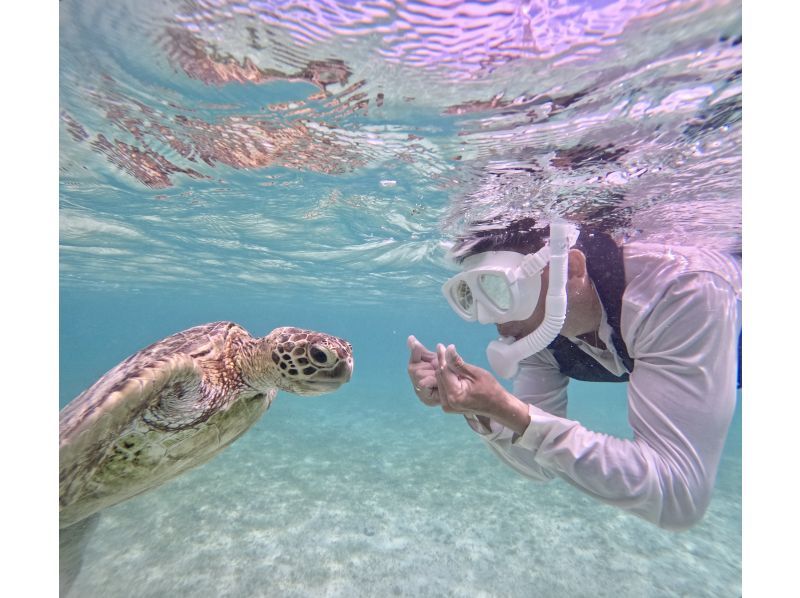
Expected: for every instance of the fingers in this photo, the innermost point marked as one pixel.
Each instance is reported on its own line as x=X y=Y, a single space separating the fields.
x=457 y=364
x=418 y=351
x=429 y=396
x=421 y=372
x=422 y=376
x=437 y=377
x=418 y=370
x=451 y=389
x=426 y=386
x=445 y=377
x=426 y=381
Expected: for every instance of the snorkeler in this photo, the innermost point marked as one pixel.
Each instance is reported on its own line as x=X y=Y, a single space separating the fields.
x=664 y=319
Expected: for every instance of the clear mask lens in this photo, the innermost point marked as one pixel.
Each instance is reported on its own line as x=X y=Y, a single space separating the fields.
x=462 y=295
x=496 y=288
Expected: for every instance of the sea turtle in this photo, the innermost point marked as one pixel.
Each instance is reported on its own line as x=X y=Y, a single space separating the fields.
x=176 y=404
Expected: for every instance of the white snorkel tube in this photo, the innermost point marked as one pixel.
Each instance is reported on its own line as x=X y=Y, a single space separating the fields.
x=505 y=354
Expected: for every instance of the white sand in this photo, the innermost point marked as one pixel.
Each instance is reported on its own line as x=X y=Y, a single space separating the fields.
x=374 y=501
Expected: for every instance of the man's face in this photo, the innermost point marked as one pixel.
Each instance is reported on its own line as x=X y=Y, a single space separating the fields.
x=521 y=328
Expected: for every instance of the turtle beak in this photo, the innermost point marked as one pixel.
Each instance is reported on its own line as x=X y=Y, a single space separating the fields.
x=329 y=380
x=343 y=371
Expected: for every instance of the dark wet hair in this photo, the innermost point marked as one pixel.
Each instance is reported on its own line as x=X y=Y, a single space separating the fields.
x=523 y=236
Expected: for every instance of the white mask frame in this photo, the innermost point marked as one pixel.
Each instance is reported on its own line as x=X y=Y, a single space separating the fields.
x=497 y=286
x=522 y=275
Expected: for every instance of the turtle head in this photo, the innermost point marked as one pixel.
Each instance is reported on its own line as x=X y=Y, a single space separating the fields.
x=305 y=362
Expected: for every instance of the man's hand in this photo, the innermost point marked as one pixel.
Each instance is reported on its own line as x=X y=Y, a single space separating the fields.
x=422 y=371
x=465 y=388
x=445 y=379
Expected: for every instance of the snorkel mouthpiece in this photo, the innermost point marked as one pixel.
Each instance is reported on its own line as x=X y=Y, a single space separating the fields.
x=504 y=355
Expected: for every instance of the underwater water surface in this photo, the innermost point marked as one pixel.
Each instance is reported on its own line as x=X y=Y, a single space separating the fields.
x=307 y=164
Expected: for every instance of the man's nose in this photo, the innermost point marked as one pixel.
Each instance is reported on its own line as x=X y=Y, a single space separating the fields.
x=484 y=315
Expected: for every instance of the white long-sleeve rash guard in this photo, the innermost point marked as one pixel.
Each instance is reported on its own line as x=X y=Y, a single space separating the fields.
x=680 y=321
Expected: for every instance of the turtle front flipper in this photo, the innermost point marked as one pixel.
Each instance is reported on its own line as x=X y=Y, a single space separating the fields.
x=105 y=455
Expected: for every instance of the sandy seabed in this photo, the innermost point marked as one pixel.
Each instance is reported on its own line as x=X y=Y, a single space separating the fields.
x=378 y=501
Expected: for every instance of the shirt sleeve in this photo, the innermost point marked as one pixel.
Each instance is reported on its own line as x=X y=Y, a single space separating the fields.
x=539 y=383
x=681 y=398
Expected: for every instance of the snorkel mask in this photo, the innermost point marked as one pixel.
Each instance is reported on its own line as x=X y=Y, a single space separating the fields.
x=503 y=286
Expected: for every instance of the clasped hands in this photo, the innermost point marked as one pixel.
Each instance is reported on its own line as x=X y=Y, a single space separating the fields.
x=444 y=379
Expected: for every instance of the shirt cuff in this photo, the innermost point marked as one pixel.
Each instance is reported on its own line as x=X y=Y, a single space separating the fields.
x=496 y=431
x=534 y=434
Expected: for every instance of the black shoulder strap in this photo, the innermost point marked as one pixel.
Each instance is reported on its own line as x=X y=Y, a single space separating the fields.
x=607 y=271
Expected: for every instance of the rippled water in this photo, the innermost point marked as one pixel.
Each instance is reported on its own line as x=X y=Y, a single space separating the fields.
x=253 y=143
x=307 y=163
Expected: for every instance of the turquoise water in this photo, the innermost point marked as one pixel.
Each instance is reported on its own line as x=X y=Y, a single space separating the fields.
x=277 y=164
x=365 y=492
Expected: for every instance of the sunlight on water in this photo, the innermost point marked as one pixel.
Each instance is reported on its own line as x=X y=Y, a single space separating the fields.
x=221 y=130
x=284 y=162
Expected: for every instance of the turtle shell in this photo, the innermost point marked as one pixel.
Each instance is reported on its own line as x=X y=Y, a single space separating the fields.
x=165 y=409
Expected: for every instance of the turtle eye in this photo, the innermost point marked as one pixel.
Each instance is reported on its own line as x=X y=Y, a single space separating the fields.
x=319 y=354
